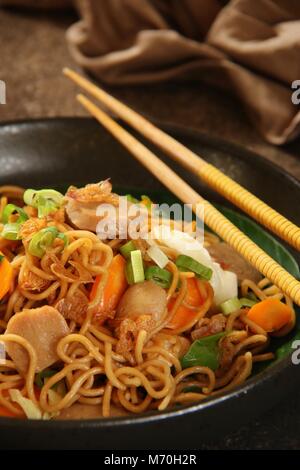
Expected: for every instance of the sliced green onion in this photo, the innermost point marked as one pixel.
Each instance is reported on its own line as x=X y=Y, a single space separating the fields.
x=186 y=263
x=162 y=277
x=64 y=238
x=158 y=256
x=45 y=206
x=29 y=196
x=245 y=302
x=42 y=240
x=129 y=273
x=9 y=210
x=45 y=200
x=126 y=249
x=1 y=258
x=52 y=195
x=137 y=266
x=146 y=201
x=11 y=231
x=230 y=305
x=234 y=304
x=132 y=199
x=39 y=379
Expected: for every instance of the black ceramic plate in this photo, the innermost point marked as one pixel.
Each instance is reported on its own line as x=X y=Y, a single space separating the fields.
x=56 y=153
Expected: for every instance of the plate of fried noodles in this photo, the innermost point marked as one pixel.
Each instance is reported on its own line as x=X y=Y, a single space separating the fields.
x=120 y=324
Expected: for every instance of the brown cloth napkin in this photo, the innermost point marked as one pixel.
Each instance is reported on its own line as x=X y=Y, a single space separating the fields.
x=249 y=47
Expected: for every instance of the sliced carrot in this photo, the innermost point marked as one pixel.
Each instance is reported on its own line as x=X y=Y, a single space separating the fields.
x=6 y=275
x=185 y=315
x=270 y=314
x=5 y=412
x=115 y=286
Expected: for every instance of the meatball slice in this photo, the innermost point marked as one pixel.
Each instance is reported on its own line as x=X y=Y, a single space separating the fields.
x=43 y=328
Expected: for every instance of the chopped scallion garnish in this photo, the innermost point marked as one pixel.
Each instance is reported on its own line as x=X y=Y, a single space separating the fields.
x=63 y=237
x=230 y=305
x=146 y=201
x=129 y=273
x=43 y=240
x=186 y=263
x=245 y=302
x=126 y=249
x=132 y=199
x=162 y=277
x=44 y=200
x=137 y=266
x=11 y=231
x=9 y=210
x=234 y=304
x=40 y=377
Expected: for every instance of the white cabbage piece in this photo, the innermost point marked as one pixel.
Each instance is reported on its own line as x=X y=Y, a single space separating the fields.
x=224 y=283
x=29 y=408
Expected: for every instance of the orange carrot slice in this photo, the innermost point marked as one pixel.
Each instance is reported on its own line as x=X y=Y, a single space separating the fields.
x=6 y=413
x=115 y=286
x=270 y=314
x=185 y=315
x=6 y=275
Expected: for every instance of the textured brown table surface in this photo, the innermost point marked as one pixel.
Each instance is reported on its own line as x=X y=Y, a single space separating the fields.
x=33 y=52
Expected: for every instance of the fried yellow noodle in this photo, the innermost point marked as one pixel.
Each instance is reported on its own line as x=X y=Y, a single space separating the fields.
x=129 y=365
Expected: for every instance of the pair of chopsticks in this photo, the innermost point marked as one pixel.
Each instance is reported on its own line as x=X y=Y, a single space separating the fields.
x=208 y=173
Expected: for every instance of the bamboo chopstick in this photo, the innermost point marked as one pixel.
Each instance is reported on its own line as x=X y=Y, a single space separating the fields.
x=213 y=218
x=221 y=183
